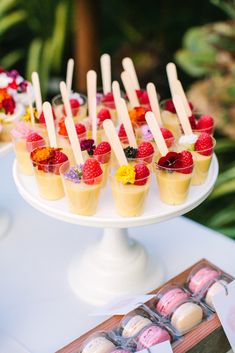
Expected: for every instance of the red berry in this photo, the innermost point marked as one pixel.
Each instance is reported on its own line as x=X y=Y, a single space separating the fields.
x=142 y=96
x=168 y=136
x=145 y=151
x=42 y=117
x=169 y=105
x=91 y=170
x=205 y=123
x=102 y=152
x=204 y=144
x=186 y=161
x=122 y=134
x=74 y=104
x=103 y=115
x=141 y=174
x=33 y=136
x=108 y=97
x=193 y=122
x=80 y=129
x=56 y=161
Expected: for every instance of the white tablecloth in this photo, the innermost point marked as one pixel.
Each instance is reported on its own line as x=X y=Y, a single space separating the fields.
x=37 y=306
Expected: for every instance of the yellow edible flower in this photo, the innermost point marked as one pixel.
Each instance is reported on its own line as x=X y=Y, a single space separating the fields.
x=125 y=174
x=27 y=116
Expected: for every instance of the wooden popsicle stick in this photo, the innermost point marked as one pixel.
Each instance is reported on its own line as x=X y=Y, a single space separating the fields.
x=129 y=67
x=154 y=104
x=156 y=132
x=69 y=75
x=74 y=141
x=37 y=91
x=116 y=91
x=65 y=98
x=47 y=111
x=30 y=105
x=94 y=119
x=183 y=117
x=105 y=63
x=125 y=119
x=114 y=141
x=180 y=91
x=129 y=88
x=172 y=77
x=91 y=88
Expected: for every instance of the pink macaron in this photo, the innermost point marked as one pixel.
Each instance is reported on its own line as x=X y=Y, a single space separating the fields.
x=201 y=278
x=151 y=336
x=170 y=300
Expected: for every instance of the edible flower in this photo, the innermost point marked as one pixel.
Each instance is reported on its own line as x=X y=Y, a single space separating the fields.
x=27 y=115
x=75 y=174
x=137 y=116
x=125 y=174
x=7 y=103
x=43 y=154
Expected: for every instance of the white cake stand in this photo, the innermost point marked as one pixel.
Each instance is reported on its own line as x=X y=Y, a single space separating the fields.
x=117 y=265
x=4 y=216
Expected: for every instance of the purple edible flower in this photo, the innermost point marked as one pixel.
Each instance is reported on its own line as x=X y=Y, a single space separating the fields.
x=13 y=74
x=88 y=145
x=22 y=87
x=75 y=174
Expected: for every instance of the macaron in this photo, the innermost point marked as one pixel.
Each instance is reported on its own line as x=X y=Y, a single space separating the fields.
x=99 y=344
x=215 y=288
x=201 y=278
x=170 y=300
x=134 y=325
x=186 y=317
x=150 y=336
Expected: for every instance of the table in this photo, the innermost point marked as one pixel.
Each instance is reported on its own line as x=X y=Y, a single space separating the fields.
x=37 y=306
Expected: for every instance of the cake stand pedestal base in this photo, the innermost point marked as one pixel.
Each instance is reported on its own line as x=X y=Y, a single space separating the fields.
x=4 y=222
x=116 y=266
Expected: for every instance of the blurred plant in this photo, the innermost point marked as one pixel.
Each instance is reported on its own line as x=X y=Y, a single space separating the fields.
x=210 y=51
x=36 y=31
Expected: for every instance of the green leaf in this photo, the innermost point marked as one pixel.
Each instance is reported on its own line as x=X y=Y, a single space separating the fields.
x=11 y=20
x=59 y=34
x=224 y=145
x=33 y=60
x=226 y=175
x=224 y=189
x=222 y=218
x=186 y=60
x=229 y=231
x=7 y=5
x=10 y=59
x=195 y=40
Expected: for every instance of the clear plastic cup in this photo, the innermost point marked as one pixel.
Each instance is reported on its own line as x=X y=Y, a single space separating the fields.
x=170 y=120
x=105 y=162
x=208 y=130
x=78 y=113
x=129 y=199
x=48 y=180
x=22 y=150
x=83 y=196
x=173 y=184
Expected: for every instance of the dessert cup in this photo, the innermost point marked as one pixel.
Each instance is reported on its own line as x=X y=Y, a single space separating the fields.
x=48 y=178
x=129 y=199
x=170 y=120
x=173 y=184
x=64 y=143
x=197 y=131
x=79 y=113
x=82 y=196
x=22 y=150
x=8 y=120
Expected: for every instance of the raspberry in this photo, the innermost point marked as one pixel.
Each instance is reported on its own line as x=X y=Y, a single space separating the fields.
x=80 y=129
x=186 y=161
x=103 y=115
x=205 y=123
x=193 y=123
x=102 y=152
x=142 y=96
x=145 y=152
x=74 y=104
x=204 y=144
x=56 y=161
x=108 y=97
x=32 y=137
x=169 y=106
x=141 y=174
x=42 y=117
x=91 y=170
x=122 y=134
x=168 y=136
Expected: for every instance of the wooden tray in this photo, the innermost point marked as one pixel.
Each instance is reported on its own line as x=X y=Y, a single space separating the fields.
x=208 y=337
